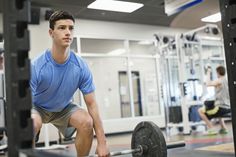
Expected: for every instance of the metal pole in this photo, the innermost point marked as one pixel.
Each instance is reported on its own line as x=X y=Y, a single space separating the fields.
x=182 y=79
x=129 y=71
x=16 y=15
x=228 y=15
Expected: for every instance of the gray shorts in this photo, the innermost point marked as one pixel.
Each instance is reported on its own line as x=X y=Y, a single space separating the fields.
x=59 y=119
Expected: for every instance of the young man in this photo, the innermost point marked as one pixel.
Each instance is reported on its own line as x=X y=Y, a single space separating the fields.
x=55 y=76
x=221 y=104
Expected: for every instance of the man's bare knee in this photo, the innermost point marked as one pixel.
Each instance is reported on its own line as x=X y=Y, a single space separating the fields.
x=87 y=123
x=37 y=121
x=81 y=120
x=200 y=111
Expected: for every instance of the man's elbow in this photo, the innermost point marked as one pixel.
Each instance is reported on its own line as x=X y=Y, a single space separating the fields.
x=208 y=84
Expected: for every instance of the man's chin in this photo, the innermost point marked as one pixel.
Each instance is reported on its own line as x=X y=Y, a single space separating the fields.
x=66 y=45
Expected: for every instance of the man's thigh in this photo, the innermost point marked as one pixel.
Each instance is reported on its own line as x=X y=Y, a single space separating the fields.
x=38 y=113
x=79 y=118
x=61 y=119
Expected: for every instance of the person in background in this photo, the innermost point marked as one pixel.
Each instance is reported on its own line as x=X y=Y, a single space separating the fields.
x=219 y=106
x=208 y=92
x=55 y=76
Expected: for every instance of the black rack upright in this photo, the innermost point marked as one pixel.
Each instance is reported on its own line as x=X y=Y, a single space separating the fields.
x=228 y=13
x=16 y=15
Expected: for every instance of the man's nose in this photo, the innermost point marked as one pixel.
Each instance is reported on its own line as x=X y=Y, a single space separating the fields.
x=68 y=31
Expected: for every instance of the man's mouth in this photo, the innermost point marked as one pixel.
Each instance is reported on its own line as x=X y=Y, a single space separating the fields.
x=67 y=39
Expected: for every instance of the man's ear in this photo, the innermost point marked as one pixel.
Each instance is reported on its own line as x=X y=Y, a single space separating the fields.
x=50 y=31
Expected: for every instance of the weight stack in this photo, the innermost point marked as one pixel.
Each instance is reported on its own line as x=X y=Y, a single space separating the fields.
x=175 y=114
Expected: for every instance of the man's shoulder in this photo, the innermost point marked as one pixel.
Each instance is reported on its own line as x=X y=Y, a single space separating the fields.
x=39 y=61
x=78 y=60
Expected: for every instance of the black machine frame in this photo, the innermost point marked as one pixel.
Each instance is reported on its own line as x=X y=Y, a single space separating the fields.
x=16 y=16
x=228 y=14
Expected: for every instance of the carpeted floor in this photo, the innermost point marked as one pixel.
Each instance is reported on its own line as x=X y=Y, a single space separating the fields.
x=198 y=153
x=197 y=145
x=225 y=148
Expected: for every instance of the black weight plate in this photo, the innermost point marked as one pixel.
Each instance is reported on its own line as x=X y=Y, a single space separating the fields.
x=149 y=134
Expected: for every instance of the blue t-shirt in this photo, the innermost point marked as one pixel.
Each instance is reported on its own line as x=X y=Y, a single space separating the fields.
x=53 y=85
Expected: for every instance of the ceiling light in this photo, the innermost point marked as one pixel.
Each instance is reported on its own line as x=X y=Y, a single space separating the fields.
x=116 y=52
x=113 y=5
x=212 y=18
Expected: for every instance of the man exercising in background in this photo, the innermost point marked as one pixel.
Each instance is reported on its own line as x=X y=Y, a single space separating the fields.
x=55 y=76
x=221 y=104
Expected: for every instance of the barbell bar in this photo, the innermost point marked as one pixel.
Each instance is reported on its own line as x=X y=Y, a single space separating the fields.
x=147 y=141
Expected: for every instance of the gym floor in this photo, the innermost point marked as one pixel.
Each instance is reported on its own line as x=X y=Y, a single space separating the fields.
x=197 y=145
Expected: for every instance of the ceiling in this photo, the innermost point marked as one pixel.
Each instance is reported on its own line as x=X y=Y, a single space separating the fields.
x=152 y=13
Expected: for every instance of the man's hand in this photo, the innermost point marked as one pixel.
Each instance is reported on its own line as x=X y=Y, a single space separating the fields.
x=102 y=150
x=209 y=69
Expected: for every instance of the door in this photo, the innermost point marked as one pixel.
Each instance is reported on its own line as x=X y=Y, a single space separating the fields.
x=125 y=96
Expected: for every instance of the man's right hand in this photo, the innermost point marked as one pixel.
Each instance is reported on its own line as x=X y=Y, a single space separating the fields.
x=102 y=150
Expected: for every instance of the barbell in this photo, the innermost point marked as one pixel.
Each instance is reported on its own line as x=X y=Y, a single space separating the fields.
x=147 y=141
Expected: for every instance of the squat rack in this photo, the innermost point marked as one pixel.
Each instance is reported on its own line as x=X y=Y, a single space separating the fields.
x=228 y=15
x=16 y=15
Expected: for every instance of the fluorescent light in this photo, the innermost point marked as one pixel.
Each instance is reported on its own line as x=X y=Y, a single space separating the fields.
x=116 y=52
x=212 y=18
x=113 y=5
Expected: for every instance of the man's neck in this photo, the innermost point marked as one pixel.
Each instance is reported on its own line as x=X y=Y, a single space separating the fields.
x=60 y=54
x=221 y=76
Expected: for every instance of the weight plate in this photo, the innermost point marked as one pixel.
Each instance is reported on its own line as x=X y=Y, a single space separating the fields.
x=150 y=135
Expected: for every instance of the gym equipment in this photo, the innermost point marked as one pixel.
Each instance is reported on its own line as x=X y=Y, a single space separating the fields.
x=149 y=137
x=228 y=22
x=147 y=141
x=16 y=16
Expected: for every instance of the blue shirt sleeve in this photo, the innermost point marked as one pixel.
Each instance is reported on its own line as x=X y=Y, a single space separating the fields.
x=86 y=84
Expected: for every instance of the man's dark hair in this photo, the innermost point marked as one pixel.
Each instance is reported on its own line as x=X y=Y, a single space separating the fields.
x=220 y=70
x=59 y=15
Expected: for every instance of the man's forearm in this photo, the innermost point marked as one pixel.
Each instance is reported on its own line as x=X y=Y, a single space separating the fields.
x=98 y=127
x=208 y=78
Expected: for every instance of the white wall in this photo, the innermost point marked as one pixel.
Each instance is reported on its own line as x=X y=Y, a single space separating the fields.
x=97 y=29
x=39 y=39
x=107 y=84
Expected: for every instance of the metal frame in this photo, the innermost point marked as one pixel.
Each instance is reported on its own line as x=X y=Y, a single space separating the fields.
x=16 y=15
x=228 y=14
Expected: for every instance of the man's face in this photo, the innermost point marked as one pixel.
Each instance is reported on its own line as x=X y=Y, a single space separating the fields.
x=63 y=32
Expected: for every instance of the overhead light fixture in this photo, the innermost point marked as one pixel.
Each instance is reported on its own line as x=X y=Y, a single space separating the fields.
x=117 y=52
x=113 y=5
x=212 y=18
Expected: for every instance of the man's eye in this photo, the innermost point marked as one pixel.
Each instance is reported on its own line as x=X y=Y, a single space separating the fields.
x=61 y=27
